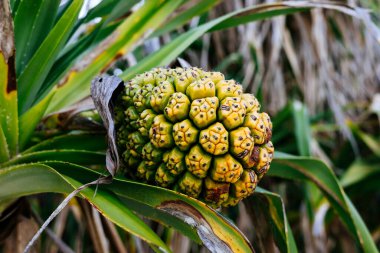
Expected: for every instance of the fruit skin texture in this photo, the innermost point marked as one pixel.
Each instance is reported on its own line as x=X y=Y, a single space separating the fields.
x=194 y=132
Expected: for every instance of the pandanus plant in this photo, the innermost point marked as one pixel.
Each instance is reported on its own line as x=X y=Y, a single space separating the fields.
x=47 y=62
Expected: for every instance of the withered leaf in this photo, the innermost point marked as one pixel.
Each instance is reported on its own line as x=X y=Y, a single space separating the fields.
x=104 y=90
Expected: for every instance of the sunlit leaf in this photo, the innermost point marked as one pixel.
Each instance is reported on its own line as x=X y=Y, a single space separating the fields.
x=8 y=86
x=76 y=83
x=31 y=79
x=38 y=178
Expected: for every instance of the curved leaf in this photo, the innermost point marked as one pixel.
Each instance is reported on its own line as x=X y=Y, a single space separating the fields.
x=280 y=223
x=171 y=50
x=38 y=178
x=218 y=234
x=183 y=17
x=310 y=169
x=82 y=157
x=78 y=141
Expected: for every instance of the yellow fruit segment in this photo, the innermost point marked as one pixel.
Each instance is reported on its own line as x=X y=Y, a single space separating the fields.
x=203 y=112
x=198 y=162
x=214 y=139
x=226 y=169
x=231 y=112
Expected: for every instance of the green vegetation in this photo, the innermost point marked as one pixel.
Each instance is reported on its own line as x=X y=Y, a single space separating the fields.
x=321 y=192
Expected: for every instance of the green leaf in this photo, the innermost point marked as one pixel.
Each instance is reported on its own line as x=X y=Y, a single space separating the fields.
x=78 y=141
x=363 y=173
x=82 y=157
x=8 y=85
x=31 y=79
x=171 y=50
x=372 y=143
x=74 y=51
x=183 y=17
x=254 y=14
x=313 y=170
x=302 y=127
x=277 y=213
x=4 y=152
x=77 y=81
x=30 y=119
x=211 y=227
x=32 y=22
x=30 y=179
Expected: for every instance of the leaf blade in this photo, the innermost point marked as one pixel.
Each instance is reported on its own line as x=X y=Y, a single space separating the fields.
x=309 y=169
x=46 y=179
x=31 y=79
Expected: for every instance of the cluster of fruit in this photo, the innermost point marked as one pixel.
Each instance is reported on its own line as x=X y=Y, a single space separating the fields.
x=195 y=132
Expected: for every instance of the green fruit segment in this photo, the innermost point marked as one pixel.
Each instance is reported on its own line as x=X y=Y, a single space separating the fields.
x=151 y=153
x=190 y=185
x=145 y=121
x=136 y=143
x=163 y=177
x=185 y=77
x=185 y=134
x=214 y=139
x=198 y=162
x=175 y=161
x=145 y=172
x=194 y=132
x=160 y=95
x=131 y=117
x=203 y=111
x=231 y=201
x=141 y=100
x=130 y=90
x=231 y=112
x=160 y=133
x=148 y=78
